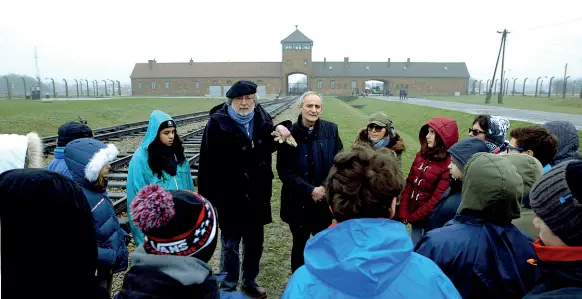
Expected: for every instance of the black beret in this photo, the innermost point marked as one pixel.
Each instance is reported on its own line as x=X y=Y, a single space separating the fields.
x=241 y=88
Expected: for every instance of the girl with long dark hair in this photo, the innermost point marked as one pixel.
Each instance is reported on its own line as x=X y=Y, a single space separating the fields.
x=160 y=160
x=429 y=174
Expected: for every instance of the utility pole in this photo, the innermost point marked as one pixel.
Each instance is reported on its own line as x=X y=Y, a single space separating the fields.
x=501 y=47
x=503 y=39
x=37 y=75
x=565 y=81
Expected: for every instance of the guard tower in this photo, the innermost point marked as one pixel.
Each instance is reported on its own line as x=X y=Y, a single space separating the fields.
x=296 y=60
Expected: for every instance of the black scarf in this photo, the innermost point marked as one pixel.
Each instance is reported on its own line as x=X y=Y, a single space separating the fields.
x=169 y=163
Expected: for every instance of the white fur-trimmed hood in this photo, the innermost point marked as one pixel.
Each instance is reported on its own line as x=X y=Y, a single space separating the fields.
x=101 y=158
x=16 y=149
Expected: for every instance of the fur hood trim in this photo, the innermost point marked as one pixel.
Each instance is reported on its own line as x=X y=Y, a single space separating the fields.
x=34 y=151
x=101 y=158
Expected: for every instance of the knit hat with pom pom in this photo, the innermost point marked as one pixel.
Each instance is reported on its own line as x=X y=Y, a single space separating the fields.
x=174 y=222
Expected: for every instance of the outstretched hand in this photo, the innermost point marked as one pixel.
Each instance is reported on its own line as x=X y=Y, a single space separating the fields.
x=289 y=139
x=283 y=132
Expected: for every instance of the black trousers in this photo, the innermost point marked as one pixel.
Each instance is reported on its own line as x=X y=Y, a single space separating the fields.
x=301 y=234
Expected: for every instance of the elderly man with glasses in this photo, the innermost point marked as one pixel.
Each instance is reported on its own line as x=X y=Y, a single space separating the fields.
x=235 y=174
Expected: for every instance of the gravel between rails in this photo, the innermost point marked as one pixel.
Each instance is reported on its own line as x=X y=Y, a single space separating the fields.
x=288 y=114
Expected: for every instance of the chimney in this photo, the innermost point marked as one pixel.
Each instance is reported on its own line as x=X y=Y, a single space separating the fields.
x=151 y=63
x=346 y=61
x=407 y=61
x=324 y=62
x=191 y=61
x=388 y=63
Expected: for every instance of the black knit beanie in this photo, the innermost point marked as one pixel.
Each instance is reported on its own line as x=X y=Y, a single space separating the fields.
x=167 y=124
x=557 y=197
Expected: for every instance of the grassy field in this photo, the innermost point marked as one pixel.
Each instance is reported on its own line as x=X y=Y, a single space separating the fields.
x=571 y=105
x=21 y=117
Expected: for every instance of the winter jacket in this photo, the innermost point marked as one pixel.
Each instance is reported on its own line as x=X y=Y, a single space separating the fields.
x=305 y=167
x=568 y=141
x=366 y=258
x=480 y=250
x=396 y=144
x=58 y=163
x=140 y=174
x=235 y=173
x=561 y=272
x=447 y=207
x=170 y=277
x=20 y=151
x=428 y=178
x=85 y=158
x=530 y=170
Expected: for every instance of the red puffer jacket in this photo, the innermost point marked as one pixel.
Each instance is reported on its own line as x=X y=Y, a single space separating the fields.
x=429 y=177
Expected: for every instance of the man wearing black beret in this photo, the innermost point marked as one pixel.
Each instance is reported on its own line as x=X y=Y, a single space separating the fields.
x=235 y=174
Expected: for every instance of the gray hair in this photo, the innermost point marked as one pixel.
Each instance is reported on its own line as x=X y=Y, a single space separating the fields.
x=229 y=100
x=308 y=93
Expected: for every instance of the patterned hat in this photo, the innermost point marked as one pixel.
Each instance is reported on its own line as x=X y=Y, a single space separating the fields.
x=174 y=222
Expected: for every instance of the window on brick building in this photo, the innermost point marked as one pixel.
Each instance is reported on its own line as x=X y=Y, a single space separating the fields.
x=197 y=84
x=332 y=84
x=297 y=46
x=179 y=86
x=319 y=84
x=214 y=82
x=354 y=84
x=154 y=85
x=185 y=86
x=167 y=84
x=139 y=86
x=305 y=62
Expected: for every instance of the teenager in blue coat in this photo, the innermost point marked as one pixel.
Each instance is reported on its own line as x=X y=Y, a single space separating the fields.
x=483 y=254
x=88 y=161
x=67 y=132
x=366 y=254
x=160 y=160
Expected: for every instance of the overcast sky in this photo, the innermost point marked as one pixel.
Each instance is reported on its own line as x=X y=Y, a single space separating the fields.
x=104 y=39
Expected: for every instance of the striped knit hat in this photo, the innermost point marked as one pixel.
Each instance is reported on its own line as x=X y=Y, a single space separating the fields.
x=557 y=198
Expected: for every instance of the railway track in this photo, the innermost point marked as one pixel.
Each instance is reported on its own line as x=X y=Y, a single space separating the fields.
x=117 y=178
x=127 y=129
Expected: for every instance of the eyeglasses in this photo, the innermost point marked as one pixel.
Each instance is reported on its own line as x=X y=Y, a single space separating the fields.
x=515 y=149
x=475 y=132
x=375 y=128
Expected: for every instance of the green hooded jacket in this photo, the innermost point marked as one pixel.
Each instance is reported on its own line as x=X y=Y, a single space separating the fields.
x=481 y=195
x=141 y=175
x=530 y=170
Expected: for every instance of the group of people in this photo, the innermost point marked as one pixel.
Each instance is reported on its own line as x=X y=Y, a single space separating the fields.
x=403 y=93
x=487 y=217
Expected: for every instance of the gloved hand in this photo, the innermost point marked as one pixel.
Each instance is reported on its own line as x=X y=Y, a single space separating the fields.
x=289 y=140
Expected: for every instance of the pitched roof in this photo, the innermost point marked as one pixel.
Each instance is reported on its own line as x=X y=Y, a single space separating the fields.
x=206 y=70
x=296 y=37
x=394 y=69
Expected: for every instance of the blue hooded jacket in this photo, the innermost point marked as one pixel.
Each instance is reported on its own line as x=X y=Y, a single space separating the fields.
x=58 y=163
x=85 y=158
x=367 y=258
x=141 y=175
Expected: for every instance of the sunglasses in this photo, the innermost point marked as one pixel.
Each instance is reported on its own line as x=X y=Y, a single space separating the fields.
x=375 y=128
x=475 y=132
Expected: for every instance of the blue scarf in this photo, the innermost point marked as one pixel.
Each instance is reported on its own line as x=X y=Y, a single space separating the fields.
x=382 y=142
x=245 y=122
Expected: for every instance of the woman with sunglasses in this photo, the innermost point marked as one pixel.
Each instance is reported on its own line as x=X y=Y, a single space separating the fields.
x=380 y=133
x=492 y=129
x=428 y=178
